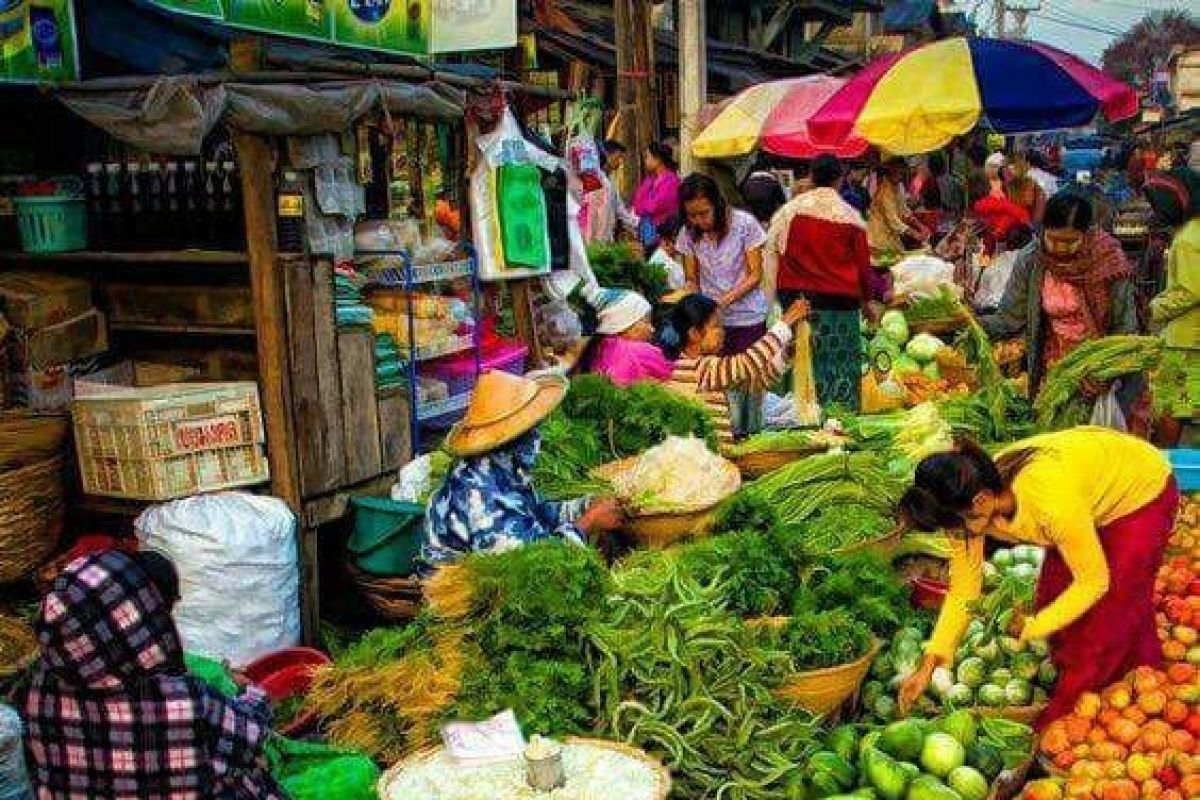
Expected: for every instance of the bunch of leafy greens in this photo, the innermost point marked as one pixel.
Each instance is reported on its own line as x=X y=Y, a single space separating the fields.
x=819 y=639
x=836 y=527
x=618 y=266
x=864 y=585
x=754 y=580
x=531 y=605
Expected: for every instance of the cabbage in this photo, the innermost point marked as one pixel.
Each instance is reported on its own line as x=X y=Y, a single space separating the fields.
x=893 y=325
x=969 y=783
x=960 y=696
x=903 y=740
x=942 y=681
x=1025 y=666
x=904 y=365
x=924 y=347
x=991 y=575
x=942 y=754
x=886 y=775
x=1040 y=648
x=988 y=650
x=992 y=696
x=926 y=787
x=1003 y=559
x=1018 y=692
x=931 y=370
x=972 y=672
x=1012 y=645
x=1047 y=674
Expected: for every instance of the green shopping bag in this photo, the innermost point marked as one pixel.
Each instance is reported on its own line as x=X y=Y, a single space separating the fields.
x=522 y=211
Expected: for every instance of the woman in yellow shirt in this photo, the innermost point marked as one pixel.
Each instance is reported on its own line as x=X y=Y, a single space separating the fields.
x=1101 y=502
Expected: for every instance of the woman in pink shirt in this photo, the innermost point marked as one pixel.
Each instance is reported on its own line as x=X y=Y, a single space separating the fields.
x=657 y=197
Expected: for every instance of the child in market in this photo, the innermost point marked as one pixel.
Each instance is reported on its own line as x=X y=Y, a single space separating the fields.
x=110 y=712
x=667 y=257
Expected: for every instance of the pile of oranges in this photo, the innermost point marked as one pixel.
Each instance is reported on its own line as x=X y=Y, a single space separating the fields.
x=1136 y=739
x=1177 y=600
x=1186 y=537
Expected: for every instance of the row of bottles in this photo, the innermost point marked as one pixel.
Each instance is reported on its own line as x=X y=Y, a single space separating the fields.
x=158 y=204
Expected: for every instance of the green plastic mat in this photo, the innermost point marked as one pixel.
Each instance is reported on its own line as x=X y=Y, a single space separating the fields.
x=522 y=211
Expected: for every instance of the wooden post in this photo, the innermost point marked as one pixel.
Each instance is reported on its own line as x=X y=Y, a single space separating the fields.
x=636 y=106
x=693 y=75
x=268 y=291
x=525 y=322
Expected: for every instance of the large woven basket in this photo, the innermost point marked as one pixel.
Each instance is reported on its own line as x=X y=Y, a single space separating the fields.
x=1026 y=715
x=755 y=465
x=27 y=437
x=421 y=756
x=939 y=327
x=822 y=691
x=18 y=647
x=396 y=599
x=32 y=508
x=660 y=530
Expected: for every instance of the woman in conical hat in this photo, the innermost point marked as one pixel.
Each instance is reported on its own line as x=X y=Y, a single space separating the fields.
x=488 y=502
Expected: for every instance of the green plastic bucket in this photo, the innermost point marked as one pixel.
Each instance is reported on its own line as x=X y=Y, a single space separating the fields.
x=55 y=224
x=387 y=536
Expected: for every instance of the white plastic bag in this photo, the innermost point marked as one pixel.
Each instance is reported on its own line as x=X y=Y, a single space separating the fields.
x=922 y=276
x=1107 y=411
x=238 y=577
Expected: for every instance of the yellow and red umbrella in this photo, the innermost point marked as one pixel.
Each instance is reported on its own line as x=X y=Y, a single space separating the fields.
x=919 y=100
x=774 y=117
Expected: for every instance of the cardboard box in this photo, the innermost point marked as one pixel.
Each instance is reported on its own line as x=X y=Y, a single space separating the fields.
x=40 y=299
x=79 y=337
x=53 y=388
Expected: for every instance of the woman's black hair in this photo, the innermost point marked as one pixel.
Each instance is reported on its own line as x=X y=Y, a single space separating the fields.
x=662 y=151
x=691 y=313
x=161 y=572
x=1068 y=209
x=937 y=164
x=764 y=195
x=697 y=186
x=827 y=170
x=668 y=228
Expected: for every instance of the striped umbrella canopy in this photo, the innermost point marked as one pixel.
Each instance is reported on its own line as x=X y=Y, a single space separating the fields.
x=919 y=100
x=774 y=117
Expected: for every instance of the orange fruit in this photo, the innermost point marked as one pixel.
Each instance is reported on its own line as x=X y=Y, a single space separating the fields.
x=1117 y=696
x=1077 y=728
x=1121 y=789
x=1152 y=702
x=1135 y=715
x=1054 y=740
x=1124 y=731
x=1153 y=741
x=1181 y=674
x=1176 y=711
x=1065 y=760
x=1097 y=735
x=1174 y=651
x=1181 y=741
x=1088 y=705
x=1150 y=789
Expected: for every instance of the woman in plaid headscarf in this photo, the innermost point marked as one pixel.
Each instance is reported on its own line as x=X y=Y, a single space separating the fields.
x=112 y=714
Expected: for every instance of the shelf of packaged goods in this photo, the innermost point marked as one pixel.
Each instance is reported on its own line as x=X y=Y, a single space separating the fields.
x=449 y=347
x=197 y=330
x=393 y=275
x=440 y=408
x=150 y=257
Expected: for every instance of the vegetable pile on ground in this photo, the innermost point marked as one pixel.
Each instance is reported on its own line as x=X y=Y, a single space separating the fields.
x=681 y=474
x=799 y=490
x=991 y=669
x=956 y=757
x=677 y=677
x=1177 y=600
x=599 y=422
x=1061 y=403
x=785 y=441
x=1136 y=739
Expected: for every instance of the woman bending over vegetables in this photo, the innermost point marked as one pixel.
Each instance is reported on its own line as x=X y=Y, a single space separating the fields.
x=488 y=501
x=620 y=348
x=1102 y=503
x=694 y=337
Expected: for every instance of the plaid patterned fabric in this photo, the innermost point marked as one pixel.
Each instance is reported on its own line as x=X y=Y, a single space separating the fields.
x=111 y=713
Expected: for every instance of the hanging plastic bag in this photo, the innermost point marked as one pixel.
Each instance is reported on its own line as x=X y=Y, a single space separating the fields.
x=804 y=385
x=582 y=150
x=1107 y=411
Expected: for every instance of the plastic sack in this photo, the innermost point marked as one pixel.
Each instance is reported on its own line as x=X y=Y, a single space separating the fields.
x=804 y=383
x=238 y=577
x=921 y=276
x=312 y=771
x=559 y=324
x=582 y=151
x=1107 y=411
x=779 y=412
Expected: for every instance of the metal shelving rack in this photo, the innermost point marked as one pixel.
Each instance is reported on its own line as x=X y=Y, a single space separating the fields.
x=407 y=276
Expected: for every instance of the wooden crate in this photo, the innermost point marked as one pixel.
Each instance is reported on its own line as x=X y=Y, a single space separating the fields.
x=215 y=306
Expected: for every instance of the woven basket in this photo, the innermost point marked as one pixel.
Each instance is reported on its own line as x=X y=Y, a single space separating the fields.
x=755 y=465
x=18 y=647
x=421 y=756
x=1026 y=715
x=32 y=507
x=955 y=375
x=397 y=599
x=660 y=530
x=939 y=327
x=822 y=691
x=27 y=437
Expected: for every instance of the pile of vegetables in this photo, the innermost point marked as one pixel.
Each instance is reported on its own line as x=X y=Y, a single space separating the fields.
x=791 y=440
x=676 y=676
x=944 y=304
x=956 y=757
x=801 y=489
x=1060 y=402
x=599 y=422
x=1185 y=538
x=865 y=586
x=892 y=350
x=681 y=474
x=1135 y=739
x=997 y=412
x=840 y=527
x=1177 y=600
x=618 y=266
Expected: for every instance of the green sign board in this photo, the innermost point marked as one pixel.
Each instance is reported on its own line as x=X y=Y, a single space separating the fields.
x=400 y=26
x=38 y=41
x=308 y=19
x=199 y=8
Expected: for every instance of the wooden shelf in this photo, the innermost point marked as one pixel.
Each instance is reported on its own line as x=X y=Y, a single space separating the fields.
x=198 y=330
x=153 y=257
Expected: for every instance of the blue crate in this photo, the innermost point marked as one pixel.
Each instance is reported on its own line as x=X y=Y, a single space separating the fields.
x=1185 y=462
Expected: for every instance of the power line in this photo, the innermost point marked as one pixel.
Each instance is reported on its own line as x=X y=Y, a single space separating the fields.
x=1070 y=15
x=1082 y=26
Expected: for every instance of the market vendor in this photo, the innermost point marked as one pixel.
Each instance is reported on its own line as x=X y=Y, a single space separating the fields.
x=488 y=501
x=1175 y=198
x=110 y=711
x=693 y=337
x=1074 y=286
x=1103 y=503
x=620 y=347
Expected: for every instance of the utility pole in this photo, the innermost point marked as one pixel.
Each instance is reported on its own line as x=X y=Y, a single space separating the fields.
x=693 y=75
x=999 y=12
x=636 y=103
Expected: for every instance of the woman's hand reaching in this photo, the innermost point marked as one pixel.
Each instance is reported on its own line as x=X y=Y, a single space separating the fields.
x=797 y=312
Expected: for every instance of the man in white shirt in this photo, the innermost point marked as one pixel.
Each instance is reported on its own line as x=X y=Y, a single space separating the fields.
x=1037 y=171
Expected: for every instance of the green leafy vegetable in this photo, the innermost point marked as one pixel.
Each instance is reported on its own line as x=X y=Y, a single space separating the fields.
x=1060 y=402
x=618 y=266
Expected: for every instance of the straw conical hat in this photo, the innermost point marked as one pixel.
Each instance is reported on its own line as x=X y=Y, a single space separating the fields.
x=503 y=407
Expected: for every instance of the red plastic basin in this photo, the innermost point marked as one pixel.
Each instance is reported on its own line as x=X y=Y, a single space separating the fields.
x=928 y=593
x=285 y=674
